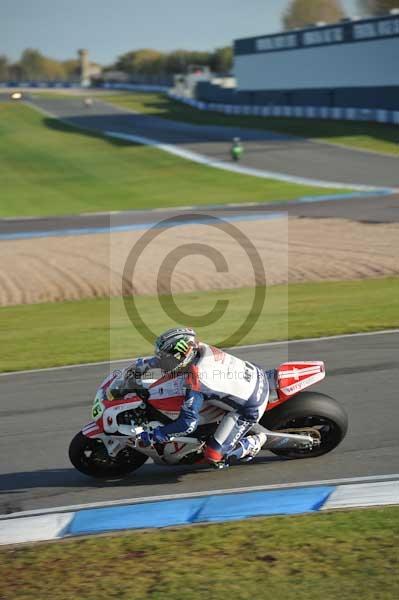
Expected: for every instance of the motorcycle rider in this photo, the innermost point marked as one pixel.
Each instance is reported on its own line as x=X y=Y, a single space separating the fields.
x=236 y=149
x=207 y=372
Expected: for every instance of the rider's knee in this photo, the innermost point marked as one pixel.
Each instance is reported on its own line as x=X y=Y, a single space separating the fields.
x=250 y=414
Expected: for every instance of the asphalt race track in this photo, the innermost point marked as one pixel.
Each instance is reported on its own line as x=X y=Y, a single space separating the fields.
x=263 y=150
x=367 y=209
x=42 y=410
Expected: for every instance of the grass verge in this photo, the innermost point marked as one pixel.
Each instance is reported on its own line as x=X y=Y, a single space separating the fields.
x=341 y=555
x=378 y=137
x=49 y=168
x=44 y=335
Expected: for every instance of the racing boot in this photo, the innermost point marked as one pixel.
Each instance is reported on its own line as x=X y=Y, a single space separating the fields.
x=249 y=447
x=222 y=464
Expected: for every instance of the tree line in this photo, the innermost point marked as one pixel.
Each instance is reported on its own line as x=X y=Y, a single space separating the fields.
x=153 y=62
x=301 y=13
x=35 y=66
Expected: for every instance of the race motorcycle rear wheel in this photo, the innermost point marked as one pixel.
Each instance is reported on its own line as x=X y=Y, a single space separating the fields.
x=309 y=410
x=89 y=456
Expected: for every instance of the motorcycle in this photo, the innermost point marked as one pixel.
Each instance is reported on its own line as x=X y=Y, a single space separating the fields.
x=236 y=150
x=298 y=423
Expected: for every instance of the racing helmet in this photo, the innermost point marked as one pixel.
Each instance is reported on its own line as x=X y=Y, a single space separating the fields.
x=176 y=348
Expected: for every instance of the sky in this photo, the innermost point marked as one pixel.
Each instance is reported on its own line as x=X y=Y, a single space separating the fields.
x=109 y=28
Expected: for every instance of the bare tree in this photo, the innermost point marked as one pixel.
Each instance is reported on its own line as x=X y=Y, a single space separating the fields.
x=305 y=12
x=377 y=7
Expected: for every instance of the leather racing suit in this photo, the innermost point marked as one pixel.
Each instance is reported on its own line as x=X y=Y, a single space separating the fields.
x=238 y=386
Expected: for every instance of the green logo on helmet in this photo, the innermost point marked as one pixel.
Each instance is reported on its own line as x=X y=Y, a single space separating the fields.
x=181 y=346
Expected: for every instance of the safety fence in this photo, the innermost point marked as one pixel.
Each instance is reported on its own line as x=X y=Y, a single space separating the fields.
x=379 y=115
x=303 y=112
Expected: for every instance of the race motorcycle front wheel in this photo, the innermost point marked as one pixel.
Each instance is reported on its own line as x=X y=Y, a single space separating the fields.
x=89 y=456
x=309 y=411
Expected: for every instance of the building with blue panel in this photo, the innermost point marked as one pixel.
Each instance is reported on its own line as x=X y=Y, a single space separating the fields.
x=353 y=63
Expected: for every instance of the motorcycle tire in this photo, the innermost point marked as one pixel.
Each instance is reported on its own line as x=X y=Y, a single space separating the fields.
x=309 y=409
x=89 y=456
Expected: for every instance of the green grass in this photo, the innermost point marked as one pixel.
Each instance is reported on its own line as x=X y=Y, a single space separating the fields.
x=378 y=137
x=48 y=168
x=339 y=556
x=43 y=335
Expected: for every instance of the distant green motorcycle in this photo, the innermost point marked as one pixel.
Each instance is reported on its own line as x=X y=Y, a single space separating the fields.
x=236 y=149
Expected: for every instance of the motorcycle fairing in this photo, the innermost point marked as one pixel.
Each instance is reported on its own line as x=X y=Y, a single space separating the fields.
x=110 y=414
x=167 y=397
x=293 y=377
x=93 y=429
x=170 y=406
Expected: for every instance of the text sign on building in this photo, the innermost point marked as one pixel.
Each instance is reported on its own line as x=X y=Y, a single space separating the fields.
x=277 y=42
x=323 y=36
x=367 y=31
x=352 y=31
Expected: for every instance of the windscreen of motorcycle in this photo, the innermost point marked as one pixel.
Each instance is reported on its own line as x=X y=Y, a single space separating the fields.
x=98 y=402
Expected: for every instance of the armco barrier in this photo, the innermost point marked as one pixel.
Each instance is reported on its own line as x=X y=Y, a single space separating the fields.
x=216 y=507
x=378 y=115
x=305 y=112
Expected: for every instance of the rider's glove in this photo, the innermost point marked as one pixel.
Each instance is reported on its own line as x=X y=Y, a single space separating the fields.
x=148 y=438
x=145 y=438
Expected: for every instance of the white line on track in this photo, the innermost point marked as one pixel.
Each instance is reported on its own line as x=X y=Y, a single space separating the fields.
x=41 y=110
x=238 y=490
x=234 y=168
x=322 y=338
x=247 y=347
x=218 y=164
